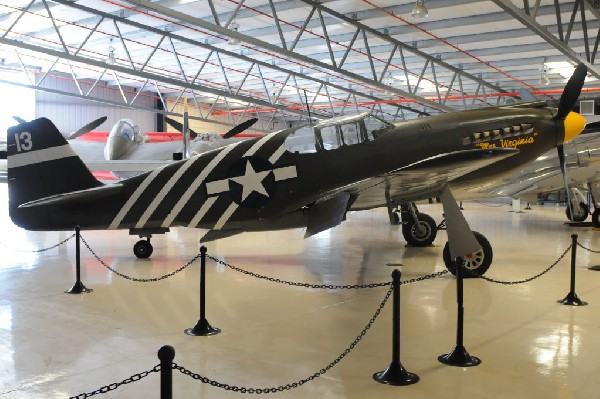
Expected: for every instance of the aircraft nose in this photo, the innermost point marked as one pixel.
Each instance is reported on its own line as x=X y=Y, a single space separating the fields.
x=574 y=124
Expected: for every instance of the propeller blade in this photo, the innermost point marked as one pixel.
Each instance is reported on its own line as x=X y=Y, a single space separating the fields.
x=87 y=128
x=571 y=91
x=240 y=128
x=20 y=120
x=179 y=127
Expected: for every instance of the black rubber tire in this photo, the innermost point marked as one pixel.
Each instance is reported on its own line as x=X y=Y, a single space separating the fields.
x=410 y=233
x=581 y=217
x=143 y=249
x=596 y=218
x=477 y=264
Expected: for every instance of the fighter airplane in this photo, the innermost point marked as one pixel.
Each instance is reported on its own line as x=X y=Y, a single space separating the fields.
x=308 y=176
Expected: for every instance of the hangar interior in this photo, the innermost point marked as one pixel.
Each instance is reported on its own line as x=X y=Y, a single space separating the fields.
x=288 y=63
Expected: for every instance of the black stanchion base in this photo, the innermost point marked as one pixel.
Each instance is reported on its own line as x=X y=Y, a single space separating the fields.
x=459 y=357
x=78 y=288
x=595 y=268
x=202 y=328
x=572 y=300
x=395 y=374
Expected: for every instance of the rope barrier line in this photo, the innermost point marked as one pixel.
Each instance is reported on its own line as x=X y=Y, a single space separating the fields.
x=323 y=286
x=491 y=280
x=115 y=385
x=588 y=249
x=42 y=249
x=139 y=280
x=227 y=387
x=296 y=384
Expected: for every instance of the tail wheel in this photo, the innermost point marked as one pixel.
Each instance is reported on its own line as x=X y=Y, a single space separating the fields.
x=422 y=233
x=579 y=216
x=143 y=249
x=476 y=263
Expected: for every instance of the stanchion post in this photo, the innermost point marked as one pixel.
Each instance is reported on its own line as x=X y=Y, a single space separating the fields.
x=202 y=327
x=396 y=374
x=78 y=287
x=459 y=356
x=571 y=298
x=166 y=354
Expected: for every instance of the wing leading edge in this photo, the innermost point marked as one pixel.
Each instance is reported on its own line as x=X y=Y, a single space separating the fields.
x=423 y=179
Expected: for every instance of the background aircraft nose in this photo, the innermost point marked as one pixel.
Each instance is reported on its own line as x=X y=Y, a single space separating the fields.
x=574 y=124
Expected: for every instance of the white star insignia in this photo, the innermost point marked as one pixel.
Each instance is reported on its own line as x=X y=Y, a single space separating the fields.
x=251 y=181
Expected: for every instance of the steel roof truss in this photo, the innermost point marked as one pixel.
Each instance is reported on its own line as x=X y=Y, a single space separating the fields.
x=281 y=37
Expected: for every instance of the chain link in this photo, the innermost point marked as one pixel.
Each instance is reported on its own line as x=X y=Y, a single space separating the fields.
x=140 y=280
x=299 y=383
x=322 y=286
x=43 y=249
x=587 y=249
x=491 y=280
x=115 y=385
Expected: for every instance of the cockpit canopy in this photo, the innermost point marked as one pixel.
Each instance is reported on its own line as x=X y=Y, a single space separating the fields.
x=335 y=133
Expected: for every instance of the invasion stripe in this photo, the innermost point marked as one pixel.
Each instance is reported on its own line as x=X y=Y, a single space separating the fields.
x=226 y=216
x=39 y=156
x=164 y=191
x=196 y=183
x=203 y=209
x=134 y=197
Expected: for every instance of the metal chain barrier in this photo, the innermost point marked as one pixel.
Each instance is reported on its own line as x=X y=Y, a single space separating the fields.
x=491 y=280
x=139 y=280
x=587 y=249
x=490 y=205
x=323 y=286
x=297 y=384
x=43 y=249
x=115 y=385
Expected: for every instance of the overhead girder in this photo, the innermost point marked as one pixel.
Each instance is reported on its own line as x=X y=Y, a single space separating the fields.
x=134 y=72
x=316 y=16
x=443 y=69
x=560 y=40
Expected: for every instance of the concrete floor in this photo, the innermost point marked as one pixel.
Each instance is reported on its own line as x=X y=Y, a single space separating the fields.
x=55 y=345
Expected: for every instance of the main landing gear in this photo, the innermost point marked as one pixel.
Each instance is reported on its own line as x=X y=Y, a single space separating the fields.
x=143 y=248
x=476 y=263
x=420 y=230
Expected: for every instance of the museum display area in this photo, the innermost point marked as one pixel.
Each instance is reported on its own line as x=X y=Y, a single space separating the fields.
x=301 y=199
x=273 y=334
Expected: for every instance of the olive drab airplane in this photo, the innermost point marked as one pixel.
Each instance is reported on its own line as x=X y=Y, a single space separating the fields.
x=308 y=176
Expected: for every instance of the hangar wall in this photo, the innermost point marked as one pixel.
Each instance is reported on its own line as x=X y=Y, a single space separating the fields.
x=71 y=113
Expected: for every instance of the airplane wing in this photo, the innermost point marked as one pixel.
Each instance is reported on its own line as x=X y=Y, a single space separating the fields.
x=154 y=151
x=88 y=150
x=422 y=179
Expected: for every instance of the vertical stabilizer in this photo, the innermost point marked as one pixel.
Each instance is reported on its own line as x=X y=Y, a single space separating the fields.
x=41 y=164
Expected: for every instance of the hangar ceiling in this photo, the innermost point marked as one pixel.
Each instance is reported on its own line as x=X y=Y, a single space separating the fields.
x=283 y=60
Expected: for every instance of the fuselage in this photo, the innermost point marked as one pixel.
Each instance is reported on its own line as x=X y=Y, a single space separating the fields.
x=268 y=182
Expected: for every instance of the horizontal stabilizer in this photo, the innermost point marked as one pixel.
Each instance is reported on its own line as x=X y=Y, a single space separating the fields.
x=327 y=213
x=75 y=196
